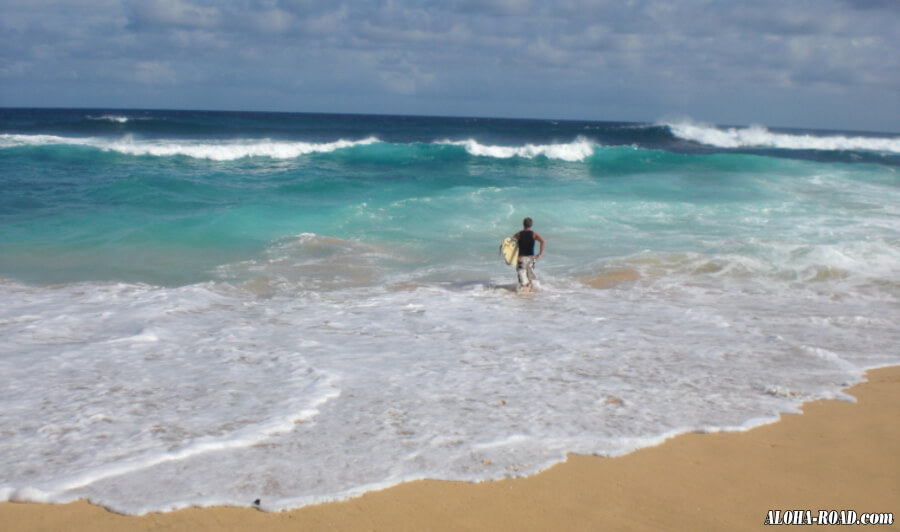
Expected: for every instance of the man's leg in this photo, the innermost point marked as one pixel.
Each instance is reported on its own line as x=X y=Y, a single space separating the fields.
x=524 y=269
x=531 y=275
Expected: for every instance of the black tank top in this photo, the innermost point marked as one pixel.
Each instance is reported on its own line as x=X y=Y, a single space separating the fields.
x=526 y=243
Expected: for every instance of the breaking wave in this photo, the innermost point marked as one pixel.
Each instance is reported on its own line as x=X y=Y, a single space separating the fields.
x=760 y=137
x=216 y=151
x=119 y=119
x=578 y=150
x=230 y=150
x=374 y=148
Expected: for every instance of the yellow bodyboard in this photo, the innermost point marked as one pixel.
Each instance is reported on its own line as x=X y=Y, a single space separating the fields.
x=510 y=251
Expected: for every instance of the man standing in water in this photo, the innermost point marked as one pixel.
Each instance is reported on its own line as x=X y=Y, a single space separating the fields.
x=525 y=266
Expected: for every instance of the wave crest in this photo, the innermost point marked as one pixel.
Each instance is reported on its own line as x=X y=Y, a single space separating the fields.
x=759 y=137
x=578 y=150
x=216 y=151
x=120 y=119
x=229 y=150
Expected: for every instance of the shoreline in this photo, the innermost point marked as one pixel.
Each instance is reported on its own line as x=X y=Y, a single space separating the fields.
x=835 y=455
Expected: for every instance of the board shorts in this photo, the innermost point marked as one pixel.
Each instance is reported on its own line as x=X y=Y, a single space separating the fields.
x=525 y=270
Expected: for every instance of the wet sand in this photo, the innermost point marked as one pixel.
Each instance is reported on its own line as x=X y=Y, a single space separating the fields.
x=837 y=455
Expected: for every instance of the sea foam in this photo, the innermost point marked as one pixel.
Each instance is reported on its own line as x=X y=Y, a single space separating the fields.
x=310 y=395
x=225 y=150
x=230 y=150
x=120 y=119
x=578 y=150
x=758 y=136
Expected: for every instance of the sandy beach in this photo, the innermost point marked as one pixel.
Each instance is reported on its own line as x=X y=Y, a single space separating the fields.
x=836 y=455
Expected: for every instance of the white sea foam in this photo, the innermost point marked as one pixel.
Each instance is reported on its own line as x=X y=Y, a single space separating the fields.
x=226 y=150
x=759 y=137
x=578 y=150
x=8 y=140
x=311 y=391
x=121 y=119
x=229 y=150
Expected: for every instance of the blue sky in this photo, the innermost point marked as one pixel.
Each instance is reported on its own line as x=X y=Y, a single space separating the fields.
x=807 y=63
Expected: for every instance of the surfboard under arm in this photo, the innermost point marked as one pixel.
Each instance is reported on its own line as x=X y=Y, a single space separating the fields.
x=510 y=250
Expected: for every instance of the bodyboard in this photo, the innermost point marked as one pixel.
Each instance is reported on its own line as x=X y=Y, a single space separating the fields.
x=510 y=250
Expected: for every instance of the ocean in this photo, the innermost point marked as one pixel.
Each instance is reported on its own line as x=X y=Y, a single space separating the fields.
x=210 y=308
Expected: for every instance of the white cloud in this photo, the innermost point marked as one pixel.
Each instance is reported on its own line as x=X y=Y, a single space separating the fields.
x=438 y=51
x=271 y=20
x=177 y=13
x=155 y=73
x=403 y=77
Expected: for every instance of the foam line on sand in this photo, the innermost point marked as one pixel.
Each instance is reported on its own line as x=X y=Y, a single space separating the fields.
x=836 y=455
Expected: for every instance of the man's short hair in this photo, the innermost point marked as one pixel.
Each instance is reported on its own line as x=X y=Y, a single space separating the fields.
x=527 y=223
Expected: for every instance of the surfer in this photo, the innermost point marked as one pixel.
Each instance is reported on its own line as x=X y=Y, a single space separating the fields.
x=525 y=265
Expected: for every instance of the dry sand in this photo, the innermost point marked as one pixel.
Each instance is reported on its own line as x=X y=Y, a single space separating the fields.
x=835 y=456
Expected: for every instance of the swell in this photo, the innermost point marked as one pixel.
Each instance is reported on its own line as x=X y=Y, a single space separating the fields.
x=761 y=137
x=374 y=151
x=370 y=150
x=225 y=150
x=366 y=149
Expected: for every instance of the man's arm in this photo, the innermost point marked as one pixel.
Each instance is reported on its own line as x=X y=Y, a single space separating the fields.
x=540 y=239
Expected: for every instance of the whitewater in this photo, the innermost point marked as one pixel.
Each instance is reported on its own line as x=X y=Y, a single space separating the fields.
x=202 y=308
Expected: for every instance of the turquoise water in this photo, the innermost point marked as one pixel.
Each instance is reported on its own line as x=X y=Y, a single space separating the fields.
x=166 y=198
x=304 y=307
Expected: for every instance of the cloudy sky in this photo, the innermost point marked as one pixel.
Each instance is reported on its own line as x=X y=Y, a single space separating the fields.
x=806 y=63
